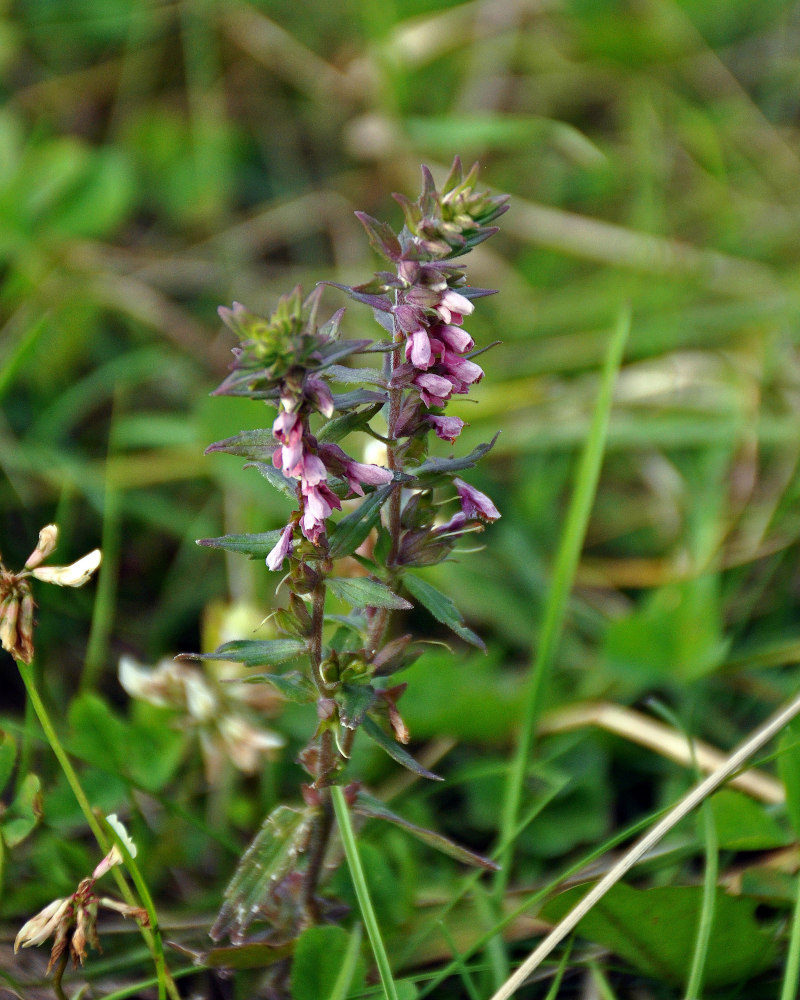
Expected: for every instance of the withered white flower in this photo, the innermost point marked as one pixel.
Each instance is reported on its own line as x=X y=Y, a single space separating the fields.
x=74 y=575
x=39 y=928
x=216 y=711
x=16 y=597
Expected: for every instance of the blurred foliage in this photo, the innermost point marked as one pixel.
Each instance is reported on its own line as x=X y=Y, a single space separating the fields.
x=161 y=157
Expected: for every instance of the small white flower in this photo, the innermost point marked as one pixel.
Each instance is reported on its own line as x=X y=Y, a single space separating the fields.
x=74 y=575
x=114 y=856
x=119 y=828
x=48 y=539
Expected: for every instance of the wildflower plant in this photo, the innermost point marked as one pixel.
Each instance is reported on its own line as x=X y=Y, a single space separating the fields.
x=366 y=559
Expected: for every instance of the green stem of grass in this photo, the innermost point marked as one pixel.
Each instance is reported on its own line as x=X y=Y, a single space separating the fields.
x=791 y=971
x=362 y=891
x=694 y=985
x=563 y=577
x=26 y=673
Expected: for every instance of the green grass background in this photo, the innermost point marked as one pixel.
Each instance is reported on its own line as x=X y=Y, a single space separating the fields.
x=160 y=158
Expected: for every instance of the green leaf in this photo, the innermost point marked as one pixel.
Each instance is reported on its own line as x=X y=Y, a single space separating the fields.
x=293 y=686
x=441 y=607
x=326 y=965
x=256 y=444
x=373 y=808
x=789 y=771
x=354 y=701
x=240 y=956
x=744 y=825
x=8 y=754
x=439 y=466
x=395 y=750
x=24 y=812
x=339 y=427
x=381 y=237
x=98 y=736
x=274 y=476
x=253 y=652
x=343 y=373
x=654 y=930
x=269 y=857
x=257 y=546
x=361 y=592
x=351 y=531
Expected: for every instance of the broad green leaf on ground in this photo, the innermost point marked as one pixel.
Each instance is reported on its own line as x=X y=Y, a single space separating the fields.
x=269 y=857
x=789 y=771
x=676 y=634
x=654 y=930
x=395 y=750
x=366 y=805
x=8 y=754
x=146 y=754
x=24 y=812
x=441 y=607
x=326 y=965
x=361 y=592
x=253 y=652
x=467 y=697
x=745 y=825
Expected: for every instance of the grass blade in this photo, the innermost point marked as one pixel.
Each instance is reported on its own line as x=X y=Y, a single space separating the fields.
x=362 y=892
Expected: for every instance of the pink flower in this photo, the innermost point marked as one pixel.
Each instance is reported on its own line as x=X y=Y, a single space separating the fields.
x=320 y=501
x=434 y=389
x=418 y=349
x=456 y=338
x=282 y=549
x=474 y=503
x=447 y=428
x=452 y=306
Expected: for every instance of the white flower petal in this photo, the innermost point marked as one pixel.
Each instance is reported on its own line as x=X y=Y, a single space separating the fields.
x=74 y=575
x=122 y=833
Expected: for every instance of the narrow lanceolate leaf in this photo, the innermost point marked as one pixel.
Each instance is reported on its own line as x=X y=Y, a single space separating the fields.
x=256 y=546
x=243 y=956
x=253 y=652
x=441 y=607
x=353 y=529
x=375 y=301
x=436 y=466
x=293 y=686
x=266 y=861
x=381 y=238
x=361 y=592
x=256 y=444
x=336 y=350
x=276 y=477
x=395 y=750
x=339 y=427
x=341 y=373
x=354 y=701
x=358 y=397
x=366 y=805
